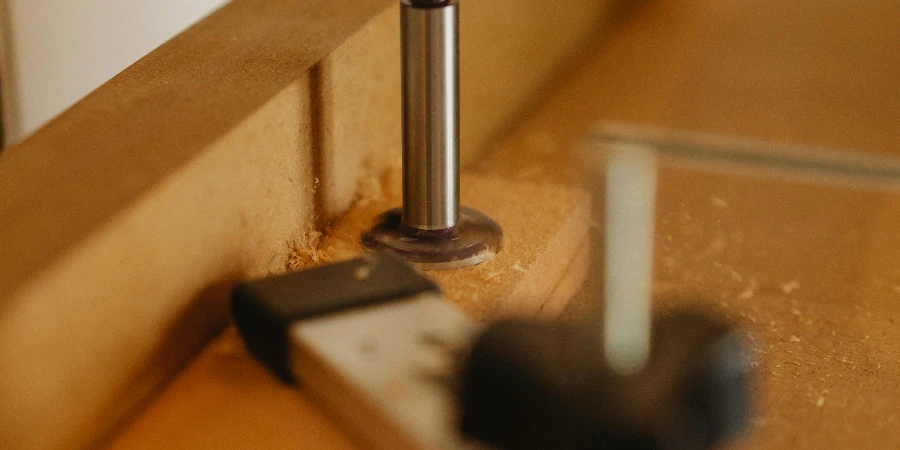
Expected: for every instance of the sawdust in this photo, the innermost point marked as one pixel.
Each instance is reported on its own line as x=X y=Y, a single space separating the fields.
x=543 y=226
x=790 y=286
x=746 y=294
x=305 y=251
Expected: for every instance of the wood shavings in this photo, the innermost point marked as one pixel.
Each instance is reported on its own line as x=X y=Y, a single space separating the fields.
x=305 y=251
x=790 y=286
x=795 y=339
x=537 y=253
x=718 y=202
x=749 y=292
x=820 y=402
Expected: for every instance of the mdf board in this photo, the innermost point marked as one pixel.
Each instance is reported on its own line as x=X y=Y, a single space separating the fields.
x=218 y=157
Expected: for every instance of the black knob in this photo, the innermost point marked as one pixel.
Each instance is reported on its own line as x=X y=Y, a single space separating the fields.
x=545 y=385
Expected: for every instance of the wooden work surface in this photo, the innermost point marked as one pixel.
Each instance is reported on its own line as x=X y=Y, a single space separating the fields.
x=812 y=272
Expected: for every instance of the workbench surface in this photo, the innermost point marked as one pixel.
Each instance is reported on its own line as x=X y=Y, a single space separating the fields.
x=812 y=272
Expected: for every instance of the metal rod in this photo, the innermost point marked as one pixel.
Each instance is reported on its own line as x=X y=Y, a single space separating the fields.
x=630 y=202
x=430 y=60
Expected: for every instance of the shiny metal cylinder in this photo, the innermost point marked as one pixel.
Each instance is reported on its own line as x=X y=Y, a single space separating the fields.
x=430 y=71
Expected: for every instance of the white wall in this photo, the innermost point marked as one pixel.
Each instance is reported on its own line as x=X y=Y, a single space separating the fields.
x=60 y=50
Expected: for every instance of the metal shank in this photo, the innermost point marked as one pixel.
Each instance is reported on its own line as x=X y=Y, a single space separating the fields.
x=430 y=54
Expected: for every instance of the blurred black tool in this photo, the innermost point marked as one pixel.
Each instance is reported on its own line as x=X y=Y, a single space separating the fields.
x=376 y=343
x=538 y=386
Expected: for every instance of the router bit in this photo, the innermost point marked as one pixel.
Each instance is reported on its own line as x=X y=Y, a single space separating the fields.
x=431 y=230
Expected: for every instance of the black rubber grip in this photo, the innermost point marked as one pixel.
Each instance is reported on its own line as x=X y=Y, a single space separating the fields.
x=264 y=310
x=547 y=385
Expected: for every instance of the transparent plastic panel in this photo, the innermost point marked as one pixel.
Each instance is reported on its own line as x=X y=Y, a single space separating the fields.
x=799 y=247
